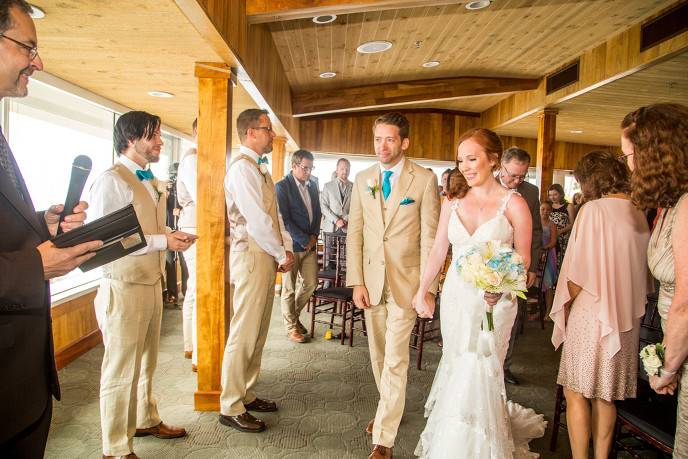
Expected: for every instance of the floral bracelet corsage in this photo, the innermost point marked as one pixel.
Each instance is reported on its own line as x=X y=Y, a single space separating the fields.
x=652 y=357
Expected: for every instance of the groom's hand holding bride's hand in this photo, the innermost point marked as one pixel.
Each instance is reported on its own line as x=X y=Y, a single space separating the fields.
x=360 y=296
x=424 y=304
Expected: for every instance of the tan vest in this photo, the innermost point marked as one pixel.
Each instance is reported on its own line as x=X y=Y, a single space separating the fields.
x=145 y=269
x=269 y=206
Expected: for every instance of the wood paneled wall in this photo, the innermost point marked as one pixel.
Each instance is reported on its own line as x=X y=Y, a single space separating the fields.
x=229 y=18
x=566 y=154
x=75 y=329
x=433 y=133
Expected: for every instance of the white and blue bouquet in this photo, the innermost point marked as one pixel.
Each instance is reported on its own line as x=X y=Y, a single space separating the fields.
x=493 y=267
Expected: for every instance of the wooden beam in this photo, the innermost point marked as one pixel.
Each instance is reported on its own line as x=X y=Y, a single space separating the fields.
x=618 y=57
x=547 y=132
x=279 y=154
x=259 y=11
x=402 y=93
x=214 y=145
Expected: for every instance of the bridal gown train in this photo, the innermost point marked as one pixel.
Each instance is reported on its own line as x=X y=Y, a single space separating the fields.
x=467 y=409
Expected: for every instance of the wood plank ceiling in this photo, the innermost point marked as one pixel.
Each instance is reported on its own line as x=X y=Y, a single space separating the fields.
x=598 y=113
x=511 y=38
x=121 y=50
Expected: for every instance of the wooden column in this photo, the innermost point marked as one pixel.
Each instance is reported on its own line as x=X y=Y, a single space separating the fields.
x=214 y=145
x=279 y=153
x=547 y=132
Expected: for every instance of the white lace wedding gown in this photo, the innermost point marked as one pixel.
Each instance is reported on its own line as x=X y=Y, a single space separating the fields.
x=467 y=409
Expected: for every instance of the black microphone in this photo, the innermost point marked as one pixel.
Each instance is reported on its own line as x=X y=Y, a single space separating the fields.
x=81 y=167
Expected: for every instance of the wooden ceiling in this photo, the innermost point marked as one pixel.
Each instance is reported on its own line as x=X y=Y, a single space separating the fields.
x=511 y=38
x=598 y=113
x=121 y=50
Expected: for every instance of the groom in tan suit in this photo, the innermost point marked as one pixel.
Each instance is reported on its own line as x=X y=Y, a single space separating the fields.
x=392 y=224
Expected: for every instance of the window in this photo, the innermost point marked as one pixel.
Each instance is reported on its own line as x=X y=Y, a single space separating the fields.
x=46 y=131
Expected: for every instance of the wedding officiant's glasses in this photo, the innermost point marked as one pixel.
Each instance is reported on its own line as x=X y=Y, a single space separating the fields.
x=33 y=50
x=518 y=178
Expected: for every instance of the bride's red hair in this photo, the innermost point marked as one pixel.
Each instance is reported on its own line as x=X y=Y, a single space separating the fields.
x=457 y=187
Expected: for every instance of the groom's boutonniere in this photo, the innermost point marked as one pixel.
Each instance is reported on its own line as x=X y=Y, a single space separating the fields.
x=373 y=187
x=406 y=201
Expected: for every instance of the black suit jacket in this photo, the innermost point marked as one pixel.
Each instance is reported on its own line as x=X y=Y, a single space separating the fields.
x=531 y=194
x=294 y=213
x=27 y=363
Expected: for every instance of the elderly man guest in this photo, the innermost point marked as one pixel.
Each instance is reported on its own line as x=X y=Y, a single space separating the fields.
x=335 y=199
x=27 y=261
x=512 y=174
x=299 y=204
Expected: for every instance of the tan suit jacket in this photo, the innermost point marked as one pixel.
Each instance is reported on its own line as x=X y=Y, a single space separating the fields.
x=392 y=243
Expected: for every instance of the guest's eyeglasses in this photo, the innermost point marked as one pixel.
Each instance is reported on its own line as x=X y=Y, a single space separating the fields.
x=625 y=157
x=519 y=178
x=33 y=50
x=265 y=128
x=306 y=168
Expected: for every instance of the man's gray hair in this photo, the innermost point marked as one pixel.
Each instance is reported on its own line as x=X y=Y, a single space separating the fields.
x=5 y=19
x=519 y=154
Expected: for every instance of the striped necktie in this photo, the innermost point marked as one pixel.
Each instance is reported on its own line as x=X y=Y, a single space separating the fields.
x=8 y=165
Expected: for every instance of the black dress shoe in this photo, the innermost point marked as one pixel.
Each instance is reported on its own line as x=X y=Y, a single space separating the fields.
x=509 y=378
x=262 y=406
x=245 y=422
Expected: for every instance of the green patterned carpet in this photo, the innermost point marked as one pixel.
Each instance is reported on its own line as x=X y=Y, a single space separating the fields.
x=326 y=395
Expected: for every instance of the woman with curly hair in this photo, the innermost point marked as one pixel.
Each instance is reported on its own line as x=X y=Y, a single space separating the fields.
x=655 y=144
x=599 y=300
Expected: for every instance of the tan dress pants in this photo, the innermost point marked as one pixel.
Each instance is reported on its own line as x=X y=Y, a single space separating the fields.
x=295 y=294
x=253 y=276
x=389 y=328
x=129 y=317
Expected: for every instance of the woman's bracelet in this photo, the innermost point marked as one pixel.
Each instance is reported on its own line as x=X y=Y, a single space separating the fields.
x=663 y=372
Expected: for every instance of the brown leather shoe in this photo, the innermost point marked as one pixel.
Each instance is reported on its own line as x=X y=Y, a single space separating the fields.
x=301 y=328
x=296 y=336
x=188 y=354
x=262 y=405
x=245 y=422
x=161 y=431
x=369 y=427
x=380 y=452
x=128 y=456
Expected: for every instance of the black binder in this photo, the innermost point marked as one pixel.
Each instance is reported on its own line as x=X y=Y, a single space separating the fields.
x=120 y=232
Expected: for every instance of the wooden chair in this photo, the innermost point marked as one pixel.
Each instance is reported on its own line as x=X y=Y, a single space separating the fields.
x=536 y=297
x=649 y=420
x=336 y=299
x=326 y=274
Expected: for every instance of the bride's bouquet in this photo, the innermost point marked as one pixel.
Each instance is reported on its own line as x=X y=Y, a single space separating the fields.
x=493 y=267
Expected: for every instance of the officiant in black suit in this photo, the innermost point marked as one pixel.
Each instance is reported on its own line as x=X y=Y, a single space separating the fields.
x=27 y=260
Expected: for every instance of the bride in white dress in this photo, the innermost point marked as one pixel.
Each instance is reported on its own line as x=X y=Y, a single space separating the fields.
x=467 y=409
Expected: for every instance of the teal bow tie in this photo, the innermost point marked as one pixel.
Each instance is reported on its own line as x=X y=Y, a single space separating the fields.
x=262 y=160
x=145 y=175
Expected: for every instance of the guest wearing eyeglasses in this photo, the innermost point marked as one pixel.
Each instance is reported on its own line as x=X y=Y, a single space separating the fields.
x=512 y=175
x=299 y=202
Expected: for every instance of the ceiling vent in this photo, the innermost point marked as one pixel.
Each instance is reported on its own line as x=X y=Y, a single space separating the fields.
x=564 y=77
x=664 y=27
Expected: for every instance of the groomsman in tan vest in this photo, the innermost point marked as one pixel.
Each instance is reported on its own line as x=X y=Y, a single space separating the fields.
x=129 y=301
x=259 y=247
x=392 y=224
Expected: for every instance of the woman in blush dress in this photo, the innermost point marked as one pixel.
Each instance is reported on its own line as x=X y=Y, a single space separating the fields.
x=655 y=143
x=599 y=301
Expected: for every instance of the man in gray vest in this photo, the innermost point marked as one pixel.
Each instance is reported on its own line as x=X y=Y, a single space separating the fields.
x=335 y=199
x=129 y=301
x=512 y=174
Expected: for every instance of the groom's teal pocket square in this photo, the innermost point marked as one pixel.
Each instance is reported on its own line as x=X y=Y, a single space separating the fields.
x=406 y=201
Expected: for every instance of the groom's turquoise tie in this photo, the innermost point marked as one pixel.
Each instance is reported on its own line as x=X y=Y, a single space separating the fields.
x=386 y=184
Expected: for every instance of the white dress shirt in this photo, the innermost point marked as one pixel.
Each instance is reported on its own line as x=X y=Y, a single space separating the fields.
x=186 y=189
x=110 y=193
x=394 y=178
x=306 y=197
x=243 y=190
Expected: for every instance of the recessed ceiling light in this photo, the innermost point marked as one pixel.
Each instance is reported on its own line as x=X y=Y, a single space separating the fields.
x=430 y=64
x=328 y=75
x=477 y=5
x=36 y=12
x=161 y=94
x=325 y=18
x=376 y=46
x=576 y=131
